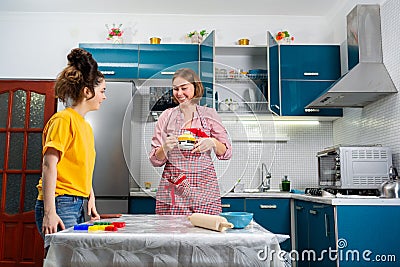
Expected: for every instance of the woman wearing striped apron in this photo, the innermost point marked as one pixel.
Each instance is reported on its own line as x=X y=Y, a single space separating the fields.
x=189 y=183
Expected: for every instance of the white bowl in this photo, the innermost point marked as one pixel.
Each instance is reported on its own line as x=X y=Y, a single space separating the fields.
x=233 y=106
x=223 y=106
x=183 y=145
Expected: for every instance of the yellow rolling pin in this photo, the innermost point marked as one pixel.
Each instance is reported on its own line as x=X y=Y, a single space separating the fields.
x=212 y=222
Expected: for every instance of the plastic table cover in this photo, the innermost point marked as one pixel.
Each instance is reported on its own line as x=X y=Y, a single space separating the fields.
x=165 y=240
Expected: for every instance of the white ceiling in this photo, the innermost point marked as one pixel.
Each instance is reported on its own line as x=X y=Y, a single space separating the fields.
x=203 y=7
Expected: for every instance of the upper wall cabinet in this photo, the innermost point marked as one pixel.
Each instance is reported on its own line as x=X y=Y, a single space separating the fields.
x=207 y=69
x=298 y=74
x=115 y=61
x=143 y=61
x=310 y=62
x=160 y=61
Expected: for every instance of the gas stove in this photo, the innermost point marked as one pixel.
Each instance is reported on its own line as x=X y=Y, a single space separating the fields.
x=317 y=191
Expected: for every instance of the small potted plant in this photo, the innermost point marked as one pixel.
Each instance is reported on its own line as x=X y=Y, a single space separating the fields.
x=284 y=37
x=197 y=37
x=115 y=34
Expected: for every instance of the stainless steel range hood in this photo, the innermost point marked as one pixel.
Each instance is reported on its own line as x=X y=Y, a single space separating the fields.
x=367 y=79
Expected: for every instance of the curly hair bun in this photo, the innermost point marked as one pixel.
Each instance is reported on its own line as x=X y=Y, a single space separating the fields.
x=72 y=75
x=81 y=60
x=81 y=72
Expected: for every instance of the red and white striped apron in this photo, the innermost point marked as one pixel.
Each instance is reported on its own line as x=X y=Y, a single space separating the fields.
x=199 y=170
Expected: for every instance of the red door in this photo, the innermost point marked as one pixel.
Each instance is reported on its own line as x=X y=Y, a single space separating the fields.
x=25 y=107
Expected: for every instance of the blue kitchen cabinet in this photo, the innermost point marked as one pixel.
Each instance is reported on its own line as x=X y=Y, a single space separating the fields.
x=295 y=93
x=273 y=214
x=315 y=233
x=309 y=62
x=298 y=74
x=147 y=205
x=207 y=69
x=232 y=204
x=368 y=235
x=115 y=61
x=160 y=61
x=142 y=205
x=347 y=235
x=301 y=229
x=321 y=232
x=274 y=98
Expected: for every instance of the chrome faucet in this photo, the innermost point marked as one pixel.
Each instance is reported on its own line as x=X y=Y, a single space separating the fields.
x=265 y=181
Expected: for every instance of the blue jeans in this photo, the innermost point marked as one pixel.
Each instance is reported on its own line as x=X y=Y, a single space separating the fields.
x=69 y=208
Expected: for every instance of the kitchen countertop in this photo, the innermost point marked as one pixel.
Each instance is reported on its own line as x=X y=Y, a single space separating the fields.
x=345 y=200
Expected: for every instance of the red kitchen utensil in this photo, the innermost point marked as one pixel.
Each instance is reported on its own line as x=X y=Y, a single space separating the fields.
x=197 y=131
x=108 y=216
x=182 y=185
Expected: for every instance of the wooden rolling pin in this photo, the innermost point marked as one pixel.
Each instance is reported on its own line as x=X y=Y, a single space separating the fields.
x=212 y=222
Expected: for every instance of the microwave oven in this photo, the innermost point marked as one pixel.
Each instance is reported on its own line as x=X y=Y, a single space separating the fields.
x=354 y=167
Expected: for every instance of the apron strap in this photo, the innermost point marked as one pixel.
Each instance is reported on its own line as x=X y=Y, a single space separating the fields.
x=202 y=119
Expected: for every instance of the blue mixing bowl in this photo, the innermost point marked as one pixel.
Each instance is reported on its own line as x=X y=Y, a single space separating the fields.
x=238 y=219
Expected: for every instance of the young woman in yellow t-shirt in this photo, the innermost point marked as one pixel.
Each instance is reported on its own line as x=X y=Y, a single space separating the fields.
x=68 y=147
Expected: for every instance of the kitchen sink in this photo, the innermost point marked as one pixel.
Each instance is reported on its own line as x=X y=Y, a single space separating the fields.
x=256 y=190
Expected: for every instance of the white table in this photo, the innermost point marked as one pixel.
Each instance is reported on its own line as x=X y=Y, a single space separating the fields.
x=163 y=240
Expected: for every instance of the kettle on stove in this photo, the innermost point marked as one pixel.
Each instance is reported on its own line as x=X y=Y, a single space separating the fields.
x=391 y=188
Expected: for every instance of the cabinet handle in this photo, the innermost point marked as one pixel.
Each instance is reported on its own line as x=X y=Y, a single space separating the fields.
x=167 y=72
x=299 y=208
x=313 y=212
x=276 y=106
x=309 y=110
x=327 y=230
x=267 y=206
x=108 y=72
x=225 y=205
x=311 y=74
x=318 y=206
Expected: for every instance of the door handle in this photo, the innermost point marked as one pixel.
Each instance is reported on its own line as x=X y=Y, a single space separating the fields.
x=299 y=208
x=327 y=230
x=311 y=74
x=276 y=106
x=225 y=205
x=108 y=72
x=267 y=206
x=313 y=212
x=167 y=72
x=311 y=110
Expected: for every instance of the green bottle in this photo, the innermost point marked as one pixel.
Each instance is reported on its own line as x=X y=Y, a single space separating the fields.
x=285 y=184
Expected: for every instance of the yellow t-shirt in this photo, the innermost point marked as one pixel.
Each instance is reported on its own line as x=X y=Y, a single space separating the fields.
x=69 y=133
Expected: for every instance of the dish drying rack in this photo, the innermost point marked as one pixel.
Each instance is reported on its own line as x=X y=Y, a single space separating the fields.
x=239 y=77
x=242 y=107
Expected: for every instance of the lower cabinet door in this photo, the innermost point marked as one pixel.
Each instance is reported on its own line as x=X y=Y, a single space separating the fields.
x=272 y=214
x=315 y=234
x=301 y=230
x=232 y=204
x=321 y=234
x=142 y=205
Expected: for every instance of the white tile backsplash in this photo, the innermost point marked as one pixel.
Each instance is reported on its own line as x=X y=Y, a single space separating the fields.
x=379 y=122
x=295 y=157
